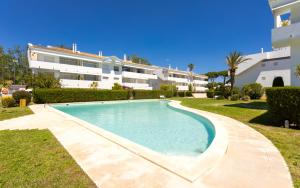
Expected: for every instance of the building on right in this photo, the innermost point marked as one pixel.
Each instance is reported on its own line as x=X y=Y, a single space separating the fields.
x=278 y=66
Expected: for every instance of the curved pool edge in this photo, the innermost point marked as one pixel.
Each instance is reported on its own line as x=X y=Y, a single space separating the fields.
x=217 y=149
x=185 y=167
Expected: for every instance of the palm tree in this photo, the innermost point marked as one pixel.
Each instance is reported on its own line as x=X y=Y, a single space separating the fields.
x=191 y=67
x=232 y=60
x=297 y=72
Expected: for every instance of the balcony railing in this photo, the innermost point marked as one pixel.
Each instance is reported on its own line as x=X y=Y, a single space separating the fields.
x=137 y=86
x=65 y=68
x=138 y=75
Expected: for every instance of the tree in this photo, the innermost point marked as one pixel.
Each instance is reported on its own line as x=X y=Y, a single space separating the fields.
x=211 y=77
x=233 y=60
x=223 y=74
x=117 y=86
x=297 y=72
x=46 y=80
x=139 y=60
x=191 y=67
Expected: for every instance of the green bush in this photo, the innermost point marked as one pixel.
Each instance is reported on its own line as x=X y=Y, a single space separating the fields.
x=220 y=97
x=181 y=93
x=8 y=101
x=117 y=87
x=235 y=97
x=147 y=94
x=284 y=103
x=168 y=89
x=77 y=95
x=188 y=94
x=17 y=95
x=254 y=90
x=210 y=93
x=246 y=98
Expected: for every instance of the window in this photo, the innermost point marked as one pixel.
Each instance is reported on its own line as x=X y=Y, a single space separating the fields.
x=116 y=78
x=68 y=76
x=89 y=64
x=116 y=69
x=140 y=71
x=275 y=63
x=105 y=78
x=90 y=77
x=263 y=78
x=263 y=65
x=106 y=69
x=46 y=58
x=68 y=61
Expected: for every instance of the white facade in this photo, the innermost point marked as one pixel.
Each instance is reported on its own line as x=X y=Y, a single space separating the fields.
x=82 y=70
x=263 y=68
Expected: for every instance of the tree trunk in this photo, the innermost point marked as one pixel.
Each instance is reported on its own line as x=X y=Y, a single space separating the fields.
x=232 y=80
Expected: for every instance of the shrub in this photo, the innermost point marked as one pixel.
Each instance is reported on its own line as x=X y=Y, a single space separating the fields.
x=235 y=97
x=168 y=94
x=147 y=94
x=190 y=86
x=8 y=101
x=117 y=87
x=284 y=103
x=254 y=90
x=77 y=95
x=210 y=93
x=46 y=80
x=188 y=94
x=220 y=97
x=246 y=98
x=181 y=93
x=22 y=95
x=169 y=89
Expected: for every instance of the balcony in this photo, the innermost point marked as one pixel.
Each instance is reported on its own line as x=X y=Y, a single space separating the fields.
x=182 y=88
x=181 y=80
x=43 y=65
x=136 y=75
x=66 y=83
x=137 y=86
x=79 y=69
x=200 y=82
x=282 y=36
x=200 y=89
x=65 y=68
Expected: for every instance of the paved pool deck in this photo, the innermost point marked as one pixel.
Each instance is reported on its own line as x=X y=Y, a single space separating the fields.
x=251 y=160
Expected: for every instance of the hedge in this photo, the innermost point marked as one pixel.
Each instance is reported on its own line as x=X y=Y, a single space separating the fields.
x=18 y=95
x=77 y=95
x=62 y=95
x=284 y=103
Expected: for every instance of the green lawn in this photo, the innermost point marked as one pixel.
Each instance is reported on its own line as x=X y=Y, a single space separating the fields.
x=254 y=113
x=8 y=113
x=34 y=158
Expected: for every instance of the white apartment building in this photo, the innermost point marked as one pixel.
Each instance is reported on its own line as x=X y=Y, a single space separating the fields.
x=77 y=69
x=265 y=67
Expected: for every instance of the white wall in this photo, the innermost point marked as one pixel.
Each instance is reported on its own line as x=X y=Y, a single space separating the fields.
x=295 y=60
x=266 y=74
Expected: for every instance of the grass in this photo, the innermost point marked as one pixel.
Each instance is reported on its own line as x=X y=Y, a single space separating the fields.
x=8 y=113
x=255 y=114
x=34 y=158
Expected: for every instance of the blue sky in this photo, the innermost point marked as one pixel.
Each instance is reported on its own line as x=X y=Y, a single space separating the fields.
x=175 y=32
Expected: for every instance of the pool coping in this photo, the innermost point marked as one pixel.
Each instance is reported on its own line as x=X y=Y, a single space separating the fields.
x=188 y=168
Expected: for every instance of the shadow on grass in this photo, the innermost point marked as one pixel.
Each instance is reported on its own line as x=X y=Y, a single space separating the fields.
x=264 y=119
x=258 y=105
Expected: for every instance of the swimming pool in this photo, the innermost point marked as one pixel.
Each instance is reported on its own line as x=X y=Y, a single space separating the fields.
x=152 y=124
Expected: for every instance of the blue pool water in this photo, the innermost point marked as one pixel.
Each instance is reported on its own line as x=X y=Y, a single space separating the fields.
x=153 y=124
